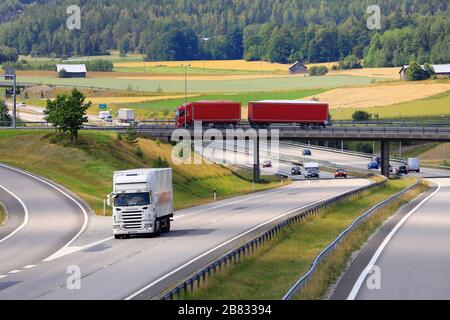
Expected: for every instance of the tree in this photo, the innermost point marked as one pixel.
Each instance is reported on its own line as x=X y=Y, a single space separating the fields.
x=8 y=54
x=130 y=135
x=415 y=72
x=350 y=62
x=317 y=71
x=67 y=113
x=5 y=118
x=361 y=116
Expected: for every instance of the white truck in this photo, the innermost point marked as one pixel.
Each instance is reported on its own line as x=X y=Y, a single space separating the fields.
x=105 y=116
x=312 y=170
x=414 y=165
x=126 y=115
x=142 y=202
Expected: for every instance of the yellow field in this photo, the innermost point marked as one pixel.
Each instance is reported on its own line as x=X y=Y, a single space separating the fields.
x=381 y=95
x=200 y=77
x=388 y=73
x=116 y=100
x=210 y=64
x=436 y=154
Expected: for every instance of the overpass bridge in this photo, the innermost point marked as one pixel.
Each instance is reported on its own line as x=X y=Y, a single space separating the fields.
x=382 y=131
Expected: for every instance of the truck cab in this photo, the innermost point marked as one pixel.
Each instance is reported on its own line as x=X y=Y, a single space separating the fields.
x=181 y=115
x=142 y=202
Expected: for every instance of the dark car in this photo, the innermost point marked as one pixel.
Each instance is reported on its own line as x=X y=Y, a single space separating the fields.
x=340 y=173
x=267 y=164
x=296 y=171
x=401 y=170
x=373 y=166
x=307 y=152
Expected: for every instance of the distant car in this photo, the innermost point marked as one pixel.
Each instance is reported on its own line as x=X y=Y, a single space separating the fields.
x=108 y=118
x=401 y=170
x=296 y=171
x=373 y=166
x=377 y=159
x=340 y=173
x=267 y=164
x=307 y=152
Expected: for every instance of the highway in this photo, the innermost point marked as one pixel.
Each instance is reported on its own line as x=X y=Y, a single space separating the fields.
x=119 y=269
x=42 y=220
x=412 y=252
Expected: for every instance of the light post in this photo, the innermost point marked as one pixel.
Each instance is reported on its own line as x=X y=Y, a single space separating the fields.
x=205 y=40
x=185 y=93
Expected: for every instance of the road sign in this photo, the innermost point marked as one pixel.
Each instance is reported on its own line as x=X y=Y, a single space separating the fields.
x=10 y=73
x=102 y=106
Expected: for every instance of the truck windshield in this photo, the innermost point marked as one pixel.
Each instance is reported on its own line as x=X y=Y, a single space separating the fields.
x=132 y=199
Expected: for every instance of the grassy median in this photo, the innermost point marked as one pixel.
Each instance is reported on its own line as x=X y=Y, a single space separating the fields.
x=87 y=167
x=2 y=214
x=270 y=272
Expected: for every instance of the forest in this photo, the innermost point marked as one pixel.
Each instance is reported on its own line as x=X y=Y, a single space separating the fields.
x=272 y=30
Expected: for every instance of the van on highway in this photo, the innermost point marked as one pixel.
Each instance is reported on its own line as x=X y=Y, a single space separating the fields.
x=413 y=165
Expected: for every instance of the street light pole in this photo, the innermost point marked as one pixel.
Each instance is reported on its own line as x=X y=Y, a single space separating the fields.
x=15 y=102
x=185 y=94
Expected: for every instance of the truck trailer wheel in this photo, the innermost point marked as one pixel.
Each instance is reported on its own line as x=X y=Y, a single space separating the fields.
x=166 y=227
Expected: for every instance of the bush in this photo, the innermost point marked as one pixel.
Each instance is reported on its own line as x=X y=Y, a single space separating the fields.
x=119 y=136
x=139 y=153
x=161 y=163
x=131 y=135
x=350 y=62
x=317 y=71
x=361 y=116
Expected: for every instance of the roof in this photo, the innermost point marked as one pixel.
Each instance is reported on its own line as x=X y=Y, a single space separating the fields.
x=441 y=68
x=72 y=68
x=297 y=63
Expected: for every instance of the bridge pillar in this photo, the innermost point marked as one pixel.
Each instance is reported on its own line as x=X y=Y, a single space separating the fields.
x=385 y=158
x=256 y=165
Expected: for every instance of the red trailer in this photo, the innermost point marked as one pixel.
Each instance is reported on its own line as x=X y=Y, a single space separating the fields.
x=297 y=112
x=217 y=113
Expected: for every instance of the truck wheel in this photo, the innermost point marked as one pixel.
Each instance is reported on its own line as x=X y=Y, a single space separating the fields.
x=157 y=228
x=117 y=237
x=166 y=228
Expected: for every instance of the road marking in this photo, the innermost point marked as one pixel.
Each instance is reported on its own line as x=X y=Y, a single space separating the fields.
x=29 y=267
x=357 y=287
x=64 y=193
x=2 y=276
x=25 y=220
x=70 y=250
x=15 y=271
x=231 y=240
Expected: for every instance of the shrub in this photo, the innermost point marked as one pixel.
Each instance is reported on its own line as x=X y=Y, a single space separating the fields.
x=139 y=153
x=361 y=116
x=161 y=163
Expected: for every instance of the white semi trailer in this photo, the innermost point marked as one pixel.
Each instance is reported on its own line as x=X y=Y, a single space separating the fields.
x=142 y=202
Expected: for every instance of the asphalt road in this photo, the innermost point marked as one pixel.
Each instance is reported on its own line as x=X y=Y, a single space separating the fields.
x=41 y=221
x=118 y=269
x=414 y=258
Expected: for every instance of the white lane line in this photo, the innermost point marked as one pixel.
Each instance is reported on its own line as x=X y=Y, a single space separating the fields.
x=31 y=266
x=231 y=240
x=65 y=194
x=2 y=276
x=357 y=287
x=25 y=220
x=15 y=271
x=70 y=250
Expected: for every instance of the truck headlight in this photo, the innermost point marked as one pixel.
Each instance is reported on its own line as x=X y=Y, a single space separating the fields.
x=148 y=225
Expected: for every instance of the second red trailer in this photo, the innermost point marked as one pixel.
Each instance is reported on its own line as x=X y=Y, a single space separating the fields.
x=305 y=113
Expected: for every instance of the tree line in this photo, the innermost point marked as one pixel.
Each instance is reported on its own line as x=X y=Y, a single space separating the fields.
x=273 y=30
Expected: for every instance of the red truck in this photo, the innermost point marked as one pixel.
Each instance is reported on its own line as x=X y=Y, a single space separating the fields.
x=215 y=113
x=297 y=112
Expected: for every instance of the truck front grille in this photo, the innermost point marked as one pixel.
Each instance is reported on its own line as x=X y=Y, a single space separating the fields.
x=132 y=220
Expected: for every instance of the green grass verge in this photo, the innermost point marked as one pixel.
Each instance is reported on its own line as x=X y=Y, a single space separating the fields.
x=86 y=168
x=2 y=214
x=270 y=272
x=430 y=108
x=166 y=108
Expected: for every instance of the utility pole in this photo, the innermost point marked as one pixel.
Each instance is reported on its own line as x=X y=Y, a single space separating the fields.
x=185 y=93
x=14 y=120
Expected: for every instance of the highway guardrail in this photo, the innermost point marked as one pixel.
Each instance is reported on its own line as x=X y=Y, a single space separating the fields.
x=235 y=256
x=332 y=246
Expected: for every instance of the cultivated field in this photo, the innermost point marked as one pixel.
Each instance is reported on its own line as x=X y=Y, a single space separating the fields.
x=435 y=155
x=207 y=86
x=382 y=94
x=385 y=73
x=436 y=107
x=120 y=100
